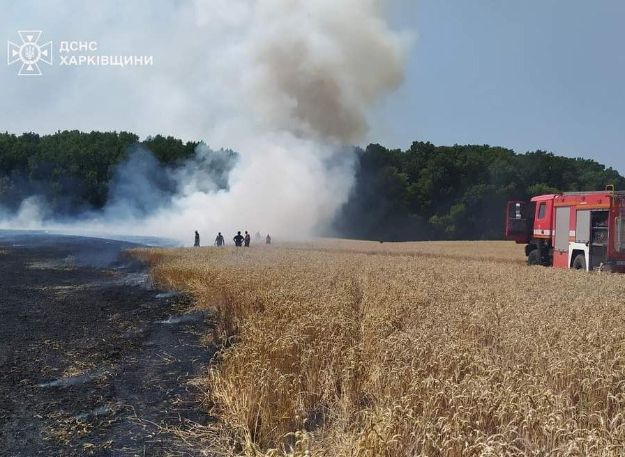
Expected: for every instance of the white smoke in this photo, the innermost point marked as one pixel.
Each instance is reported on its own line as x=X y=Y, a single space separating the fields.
x=286 y=83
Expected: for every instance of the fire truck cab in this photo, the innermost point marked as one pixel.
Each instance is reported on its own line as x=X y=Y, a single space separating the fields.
x=581 y=230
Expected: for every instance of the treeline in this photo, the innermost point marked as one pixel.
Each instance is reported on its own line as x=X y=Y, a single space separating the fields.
x=455 y=192
x=426 y=192
x=73 y=170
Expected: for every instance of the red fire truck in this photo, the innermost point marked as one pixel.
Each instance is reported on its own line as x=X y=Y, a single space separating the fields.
x=581 y=230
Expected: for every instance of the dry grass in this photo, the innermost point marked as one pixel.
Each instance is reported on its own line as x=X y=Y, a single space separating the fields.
x=368 y=349
x=469 y=250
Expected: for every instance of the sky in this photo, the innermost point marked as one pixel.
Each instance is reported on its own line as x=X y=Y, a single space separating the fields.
x=531 y=74
x=536 y=74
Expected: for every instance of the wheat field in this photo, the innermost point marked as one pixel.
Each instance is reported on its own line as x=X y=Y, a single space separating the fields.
x=345 y=348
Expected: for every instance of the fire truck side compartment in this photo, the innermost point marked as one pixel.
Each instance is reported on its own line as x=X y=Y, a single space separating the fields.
x=562 y=228
x=561 y=237
x=582 y=230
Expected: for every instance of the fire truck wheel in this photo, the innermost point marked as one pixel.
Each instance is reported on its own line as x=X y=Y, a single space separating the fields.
x=579 y=263
x=533 y=258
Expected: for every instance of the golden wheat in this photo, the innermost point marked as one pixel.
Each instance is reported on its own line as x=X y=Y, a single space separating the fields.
x=433 y=349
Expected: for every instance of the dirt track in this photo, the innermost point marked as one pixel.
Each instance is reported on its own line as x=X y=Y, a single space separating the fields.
x=92 y=360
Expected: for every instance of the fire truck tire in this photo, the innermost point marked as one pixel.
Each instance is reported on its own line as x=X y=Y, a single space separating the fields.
x=579 y=263
x=534 y=257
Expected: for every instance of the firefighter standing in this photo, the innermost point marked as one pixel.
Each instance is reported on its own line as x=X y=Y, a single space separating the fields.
x=248 y=238
x=197 y=240
x=238 y=240
x=268 y=239
x=219 y=241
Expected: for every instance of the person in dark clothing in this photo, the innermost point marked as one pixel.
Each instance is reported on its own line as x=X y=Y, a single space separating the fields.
x=197 y=240
x=268 y=239
x=248 y=238
x=238 y=240
x=219 y=241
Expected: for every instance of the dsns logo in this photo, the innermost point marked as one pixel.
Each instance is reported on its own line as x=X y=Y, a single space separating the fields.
x=29 y=53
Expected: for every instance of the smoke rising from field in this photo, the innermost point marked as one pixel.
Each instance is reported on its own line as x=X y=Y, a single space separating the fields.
x=322 y=65
x=285 y=83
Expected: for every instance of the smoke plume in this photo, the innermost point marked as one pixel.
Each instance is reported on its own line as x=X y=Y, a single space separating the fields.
x=285 y=83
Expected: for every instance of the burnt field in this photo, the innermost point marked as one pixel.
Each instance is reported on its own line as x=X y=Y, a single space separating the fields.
x=93 y=360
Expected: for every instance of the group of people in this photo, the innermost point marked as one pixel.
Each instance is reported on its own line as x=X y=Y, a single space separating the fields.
x=239 y=240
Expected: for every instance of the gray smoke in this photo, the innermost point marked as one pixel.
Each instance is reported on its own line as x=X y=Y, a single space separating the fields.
x=285 y=83
x=140 y=186
x=322 y=63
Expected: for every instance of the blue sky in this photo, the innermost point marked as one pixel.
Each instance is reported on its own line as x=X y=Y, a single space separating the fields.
x=529 y=74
